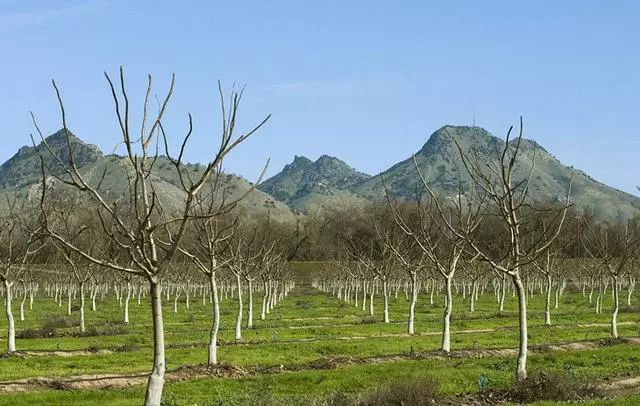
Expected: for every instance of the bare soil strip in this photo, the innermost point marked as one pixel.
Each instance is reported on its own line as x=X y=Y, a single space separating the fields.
x=105 y=381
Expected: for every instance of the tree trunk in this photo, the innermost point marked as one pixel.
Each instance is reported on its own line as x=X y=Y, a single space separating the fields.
x=412 y=304
x=250 y=305
x=371 y=293
x=215 y=326
x=446 y=318
x=503 y=293
x=94 y=293
x=126 y=304
x=69 y=296
x=265 y=296
x=11 y=326
x=616 y=308
x=82 y=326
x=547 y=303
x=239 y=316
x=24 y=299
x=521 y=369
x=385 y=293
x=472 y=297
x=155 y=383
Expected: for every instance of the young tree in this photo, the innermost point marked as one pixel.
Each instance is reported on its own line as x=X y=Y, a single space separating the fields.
x=19 y=242
x=612 y=248
x=138 y=222
x=500 y=188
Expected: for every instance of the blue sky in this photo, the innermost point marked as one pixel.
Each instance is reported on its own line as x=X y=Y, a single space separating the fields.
x=366 y=81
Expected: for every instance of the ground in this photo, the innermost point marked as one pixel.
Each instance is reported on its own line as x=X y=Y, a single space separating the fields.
x=312 y=347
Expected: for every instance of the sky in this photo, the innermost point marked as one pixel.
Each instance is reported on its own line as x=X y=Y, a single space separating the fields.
x=366 y=81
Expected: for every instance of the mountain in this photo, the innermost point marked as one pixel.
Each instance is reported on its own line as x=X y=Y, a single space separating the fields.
x=21 y=176
x=305 y=184
x=24 y=167
x=441 y=165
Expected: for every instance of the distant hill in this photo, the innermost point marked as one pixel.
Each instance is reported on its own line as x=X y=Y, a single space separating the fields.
x=440 y=163
x=24 y=167
x=21 y=176
x=304 y=184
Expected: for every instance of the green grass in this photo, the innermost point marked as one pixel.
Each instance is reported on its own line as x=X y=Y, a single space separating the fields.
x=306 y=326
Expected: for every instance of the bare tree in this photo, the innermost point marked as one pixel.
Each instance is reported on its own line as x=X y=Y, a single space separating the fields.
x=19 y=241
x=613 y=249
x=501 y=192
x=138 y=222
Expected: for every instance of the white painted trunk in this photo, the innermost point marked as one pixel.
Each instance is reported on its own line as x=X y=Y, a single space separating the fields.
x=547 y=303
x=11 y=326
x=412 y=305
x=215 y=326
x=616 y=308
x=126 y=304
x=446 y=318
x=82 y=325
x=155 y=384
x=385 y=293
x=265 y=297
x=69 y=297
x=250 y=306
x=239 y=316
x=521 y=368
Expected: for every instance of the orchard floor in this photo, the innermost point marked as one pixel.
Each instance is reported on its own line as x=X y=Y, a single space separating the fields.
x=313 y=346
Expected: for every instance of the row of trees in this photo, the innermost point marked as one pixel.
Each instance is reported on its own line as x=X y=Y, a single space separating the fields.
x=491 y=232
x=138 y=234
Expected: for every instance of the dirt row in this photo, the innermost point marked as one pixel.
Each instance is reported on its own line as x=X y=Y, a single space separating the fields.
x=105 y=381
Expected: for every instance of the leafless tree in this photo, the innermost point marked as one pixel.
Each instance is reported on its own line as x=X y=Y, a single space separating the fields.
x=501 y=192
x=138 y=222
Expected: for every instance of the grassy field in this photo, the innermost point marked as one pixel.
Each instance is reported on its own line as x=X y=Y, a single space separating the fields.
x=314 y=346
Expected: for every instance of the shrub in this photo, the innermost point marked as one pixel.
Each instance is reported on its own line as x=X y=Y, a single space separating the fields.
x=93 y=348
x=553 y=387
x=367 y=320
x=94 y=332
x=37 y=333
x=56 y=321
x=126 y=348
x=418 y=392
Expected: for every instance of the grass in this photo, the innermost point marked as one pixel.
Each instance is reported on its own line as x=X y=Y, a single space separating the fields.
x=306 y=326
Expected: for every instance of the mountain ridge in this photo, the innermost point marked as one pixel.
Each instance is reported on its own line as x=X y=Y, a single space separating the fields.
x=304 y=185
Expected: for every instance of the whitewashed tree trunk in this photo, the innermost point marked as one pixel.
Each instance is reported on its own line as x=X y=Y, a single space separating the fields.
x=385 y=293
x=250 y=305
x=446 y=317
x=188 y=293
x=175 y=299
x=371 y=293
x=521 y=369
x=94 y=293
x=215 y=327
x=547 y=303
x=265 y=296
x=24 y=299
x=412 y=304
x=239 y=316
x=69 y=297
x=82 y=325
x=616 y=308
x=155 y=383
x=11 y=326
x=126 y=304
x=472 y=297
x=503 y=293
